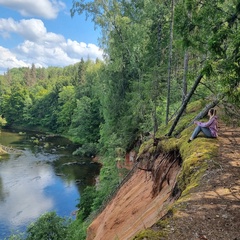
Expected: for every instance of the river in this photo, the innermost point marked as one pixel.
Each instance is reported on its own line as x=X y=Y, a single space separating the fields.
x=41 y=176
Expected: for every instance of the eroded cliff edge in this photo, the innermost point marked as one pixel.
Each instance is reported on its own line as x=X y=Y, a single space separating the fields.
x=149 y=195
x=141 y=201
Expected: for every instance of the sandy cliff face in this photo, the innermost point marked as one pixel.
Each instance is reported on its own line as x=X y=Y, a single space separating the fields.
x=139 y=203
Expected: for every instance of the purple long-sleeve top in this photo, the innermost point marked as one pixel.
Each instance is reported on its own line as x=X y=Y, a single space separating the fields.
x=211 y=124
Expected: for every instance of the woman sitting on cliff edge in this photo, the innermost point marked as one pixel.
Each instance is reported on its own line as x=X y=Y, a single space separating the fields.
x=208 y=128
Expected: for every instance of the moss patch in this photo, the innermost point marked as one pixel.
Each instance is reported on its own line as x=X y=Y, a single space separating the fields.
x=145 y=146
x=196 y=154
x=149 y=234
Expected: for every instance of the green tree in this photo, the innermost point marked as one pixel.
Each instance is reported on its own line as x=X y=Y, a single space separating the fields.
x=85 y=124
x=127 y=29
x=48 y=226
x=86 y=202
x=66 y=106
x=13 y=105
x=210 y=29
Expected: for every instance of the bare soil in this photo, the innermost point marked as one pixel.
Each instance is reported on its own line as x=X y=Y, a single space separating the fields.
x=212 y=212
x=135 y=207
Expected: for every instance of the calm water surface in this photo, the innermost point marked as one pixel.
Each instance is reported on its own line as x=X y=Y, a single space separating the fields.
x=41 y=176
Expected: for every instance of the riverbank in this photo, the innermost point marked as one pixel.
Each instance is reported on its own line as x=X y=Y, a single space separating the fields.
x=43 y=177
x=22 y=129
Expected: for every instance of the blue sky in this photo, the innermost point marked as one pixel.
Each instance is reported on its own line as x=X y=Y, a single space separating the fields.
x=42 y=32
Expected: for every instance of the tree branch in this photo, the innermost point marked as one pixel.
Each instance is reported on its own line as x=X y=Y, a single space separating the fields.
x=184 y=105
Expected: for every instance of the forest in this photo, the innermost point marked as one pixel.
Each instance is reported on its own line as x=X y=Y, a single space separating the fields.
x=159 y=56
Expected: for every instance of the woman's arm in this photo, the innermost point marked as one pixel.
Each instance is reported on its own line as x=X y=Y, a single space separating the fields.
x=206 y=124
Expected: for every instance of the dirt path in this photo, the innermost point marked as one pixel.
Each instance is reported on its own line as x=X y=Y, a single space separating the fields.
x=213 y=210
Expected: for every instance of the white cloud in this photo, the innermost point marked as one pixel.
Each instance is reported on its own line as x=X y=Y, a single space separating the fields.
x=41 y=8
x=76 y=49
x=9 y=60
x=41 y=47
x=31 y=29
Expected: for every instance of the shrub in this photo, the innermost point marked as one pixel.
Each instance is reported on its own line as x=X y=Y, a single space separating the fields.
x=48 y=226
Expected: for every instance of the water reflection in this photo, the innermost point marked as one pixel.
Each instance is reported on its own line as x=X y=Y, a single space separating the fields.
x=1 y=191
x=40 y=180
x=24 y=198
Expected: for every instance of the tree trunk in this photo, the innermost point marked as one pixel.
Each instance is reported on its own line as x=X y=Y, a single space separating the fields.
x=184 y=105
x=170 y=61
x=185 y=72
x=203 y=113
x=156 y=79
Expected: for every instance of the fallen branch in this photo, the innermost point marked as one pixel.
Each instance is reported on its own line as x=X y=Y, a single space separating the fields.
x=204 y=112
x=184 y=105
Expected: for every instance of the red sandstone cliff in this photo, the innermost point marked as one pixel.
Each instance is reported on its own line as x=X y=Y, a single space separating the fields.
x=139 y=203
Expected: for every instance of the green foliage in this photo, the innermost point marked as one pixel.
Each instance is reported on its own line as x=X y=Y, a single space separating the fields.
x=77 y=230
x=87 y=150
x=17 y=236
x=86 y=120
x=109 y=178
x=48 y=226
x=211 y=28
x=66 y=106
x=14 y=105
x=2 y=122
x=86 y=202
